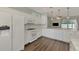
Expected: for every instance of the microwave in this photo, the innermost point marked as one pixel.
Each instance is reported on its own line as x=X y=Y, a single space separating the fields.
x=55 y=24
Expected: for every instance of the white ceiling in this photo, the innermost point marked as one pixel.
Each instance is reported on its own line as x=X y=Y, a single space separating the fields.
x=74 y=11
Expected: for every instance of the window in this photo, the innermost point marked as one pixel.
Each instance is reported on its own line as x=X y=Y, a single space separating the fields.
x=63 y=25
x=68 y=24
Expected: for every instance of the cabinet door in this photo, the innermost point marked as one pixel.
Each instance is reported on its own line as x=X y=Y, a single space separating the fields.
x=29 y=19
x=39 y=33
x=28 y=36
x=5 y=35
x=18 y=32
x=44 y=21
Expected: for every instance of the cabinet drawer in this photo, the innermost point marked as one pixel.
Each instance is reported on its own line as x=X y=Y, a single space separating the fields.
x=33 y=34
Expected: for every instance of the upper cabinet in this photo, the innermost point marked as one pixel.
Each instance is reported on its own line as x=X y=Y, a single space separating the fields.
x=28 y=19
x=44 y=21
x=37 y=17
x=33 y=18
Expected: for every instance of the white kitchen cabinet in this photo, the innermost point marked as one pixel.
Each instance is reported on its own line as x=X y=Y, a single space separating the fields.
x=38 y=21
x=66 y=35
x=36 y=34
x=18 y=32
x=5 y=35
x=58 y=34
x=37 y=17
x=51 y=33
x=44 y=21
x=29 y=19
x=32 y=35
x=28 y=36
x=33 y=18
x=39 y=33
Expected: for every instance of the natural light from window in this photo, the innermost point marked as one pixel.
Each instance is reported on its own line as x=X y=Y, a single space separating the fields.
x=68 y=24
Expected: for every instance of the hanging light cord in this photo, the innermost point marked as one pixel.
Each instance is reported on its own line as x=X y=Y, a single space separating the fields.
x=67 y=11
x=58 y=12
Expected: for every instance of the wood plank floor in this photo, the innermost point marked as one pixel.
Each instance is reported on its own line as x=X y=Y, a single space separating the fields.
x=46 y=44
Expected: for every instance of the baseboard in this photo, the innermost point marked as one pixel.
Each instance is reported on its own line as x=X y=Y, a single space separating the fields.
x=33 y=41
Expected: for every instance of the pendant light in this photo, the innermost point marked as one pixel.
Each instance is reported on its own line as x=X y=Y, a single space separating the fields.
x=51 y=12
x=59 y=17
x=52 y=15
x=68 y=13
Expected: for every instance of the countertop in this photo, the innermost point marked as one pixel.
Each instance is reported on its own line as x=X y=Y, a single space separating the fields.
x=63 y=29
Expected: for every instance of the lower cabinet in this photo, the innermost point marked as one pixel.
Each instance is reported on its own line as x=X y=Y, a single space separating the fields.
x=57 y=34
x=31 y=35
x=27 y=37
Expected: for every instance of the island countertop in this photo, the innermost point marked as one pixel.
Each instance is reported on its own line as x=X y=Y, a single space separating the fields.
x=75 y=43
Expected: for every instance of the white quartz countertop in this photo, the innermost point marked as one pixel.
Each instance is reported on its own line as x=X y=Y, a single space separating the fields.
x=63 y=29
x=75 y=42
